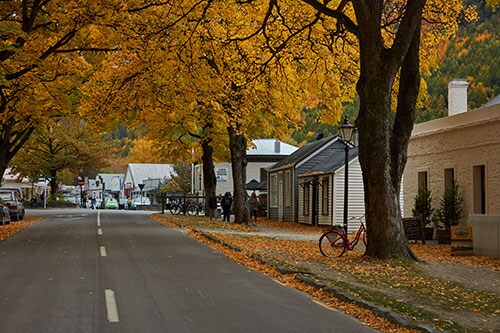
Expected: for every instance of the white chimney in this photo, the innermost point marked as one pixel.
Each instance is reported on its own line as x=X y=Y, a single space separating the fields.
x=457 y=96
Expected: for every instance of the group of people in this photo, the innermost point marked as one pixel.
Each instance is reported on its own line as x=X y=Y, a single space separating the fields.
x=226 y=203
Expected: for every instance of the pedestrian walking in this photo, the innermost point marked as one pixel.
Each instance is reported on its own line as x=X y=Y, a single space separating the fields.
x=227 y=203
x=212 y=205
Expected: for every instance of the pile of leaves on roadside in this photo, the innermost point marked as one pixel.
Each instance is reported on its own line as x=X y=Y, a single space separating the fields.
x=398 y=285
x=12 y=228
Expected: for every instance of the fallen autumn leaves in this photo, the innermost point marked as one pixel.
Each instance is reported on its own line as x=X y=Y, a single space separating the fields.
x=14 y=227
x=414 y=290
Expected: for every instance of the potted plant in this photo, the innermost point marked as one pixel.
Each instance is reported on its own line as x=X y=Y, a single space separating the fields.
x=423 y=210
x=450 y=213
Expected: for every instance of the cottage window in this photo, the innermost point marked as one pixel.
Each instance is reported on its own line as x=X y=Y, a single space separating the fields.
x=306 y=198
x=479 y=188
x=422 y=180
x=325 y=199
x=263 y=174
x=449 y=179
x=273 y=190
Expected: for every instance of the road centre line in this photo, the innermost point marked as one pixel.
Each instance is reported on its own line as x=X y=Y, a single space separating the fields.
x=103 y=251
x=111 y=306
x=99 y=218
x=99 y=231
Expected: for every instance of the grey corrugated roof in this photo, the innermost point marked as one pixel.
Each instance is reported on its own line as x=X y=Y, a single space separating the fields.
x=303 y=152
x=112 y=181
x=335 y=162
x=268 y=147
x=140 y=172
x=494 y=101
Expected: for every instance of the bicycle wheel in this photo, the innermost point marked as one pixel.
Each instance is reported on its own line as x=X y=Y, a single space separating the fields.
x=192 y=210
x=175 y=209
x=332 y=244
x=365 y=240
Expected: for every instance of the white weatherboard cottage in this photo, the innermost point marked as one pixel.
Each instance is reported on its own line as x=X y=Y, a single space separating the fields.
x=308 y=186
x=151 y=176
x=264 y=153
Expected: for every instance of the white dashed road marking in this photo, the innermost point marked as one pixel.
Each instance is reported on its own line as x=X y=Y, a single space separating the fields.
x=99 y=231
x=111 y=306
x=103 y=251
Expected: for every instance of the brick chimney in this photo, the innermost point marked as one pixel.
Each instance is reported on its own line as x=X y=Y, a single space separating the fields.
x=457 y=96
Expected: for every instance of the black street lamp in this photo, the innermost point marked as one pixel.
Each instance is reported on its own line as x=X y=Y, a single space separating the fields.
x=347 y=134
x=141 y=186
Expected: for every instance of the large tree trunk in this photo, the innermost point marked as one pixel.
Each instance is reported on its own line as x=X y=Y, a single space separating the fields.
x=11 y=141
x=238 y=148
x=382 y=144
x=209 y=180
x=53 y=182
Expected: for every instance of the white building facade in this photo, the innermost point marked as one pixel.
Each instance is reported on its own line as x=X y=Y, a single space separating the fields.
x=263 y=154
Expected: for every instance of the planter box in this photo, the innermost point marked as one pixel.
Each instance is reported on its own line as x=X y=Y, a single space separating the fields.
x=443 y=236
x=429 y=233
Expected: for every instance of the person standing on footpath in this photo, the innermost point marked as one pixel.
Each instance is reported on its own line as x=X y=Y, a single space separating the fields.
x=253 y=205
x=226 y=204
x=212 y=205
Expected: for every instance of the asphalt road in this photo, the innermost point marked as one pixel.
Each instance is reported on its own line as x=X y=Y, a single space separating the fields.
x=119 y=271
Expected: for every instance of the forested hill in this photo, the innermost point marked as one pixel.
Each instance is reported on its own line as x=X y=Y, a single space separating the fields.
x=474 y=54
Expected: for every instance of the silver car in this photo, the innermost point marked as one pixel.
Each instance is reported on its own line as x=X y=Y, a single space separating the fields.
x=14 y=202
x=5 y=213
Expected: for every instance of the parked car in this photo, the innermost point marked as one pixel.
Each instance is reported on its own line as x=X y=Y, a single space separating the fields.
x=122 y=203
x=141 y=201
x=5 y=213
x=14 y=189
x=14 y=202
x=111 y=203
x=98 y=203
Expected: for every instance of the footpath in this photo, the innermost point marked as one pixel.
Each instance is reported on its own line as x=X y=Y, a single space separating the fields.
x=441 y=293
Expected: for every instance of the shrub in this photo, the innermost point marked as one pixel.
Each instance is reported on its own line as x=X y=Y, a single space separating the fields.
x=423 y=206
x=450 y=211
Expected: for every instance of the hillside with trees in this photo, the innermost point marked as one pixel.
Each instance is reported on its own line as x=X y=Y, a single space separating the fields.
x=474 y=54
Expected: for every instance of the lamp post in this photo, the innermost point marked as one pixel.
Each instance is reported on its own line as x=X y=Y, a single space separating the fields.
x=346 y=133
x=81 y=182
x=141 y=186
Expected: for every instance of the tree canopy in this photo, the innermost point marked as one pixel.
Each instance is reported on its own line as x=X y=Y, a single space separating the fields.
x=43 y=63
x=58 y=146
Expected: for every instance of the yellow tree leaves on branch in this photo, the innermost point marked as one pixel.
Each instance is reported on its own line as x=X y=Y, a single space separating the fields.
x=60 y=145
x=254 y=92
x=192 y=80
x=148 y=85
x=388 y=36
x=41 y=56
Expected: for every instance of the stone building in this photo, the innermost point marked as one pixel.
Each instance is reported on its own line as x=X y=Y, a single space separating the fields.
x=462 y=147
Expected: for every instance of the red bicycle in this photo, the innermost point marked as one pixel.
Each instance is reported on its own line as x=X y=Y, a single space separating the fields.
x=334 y=241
